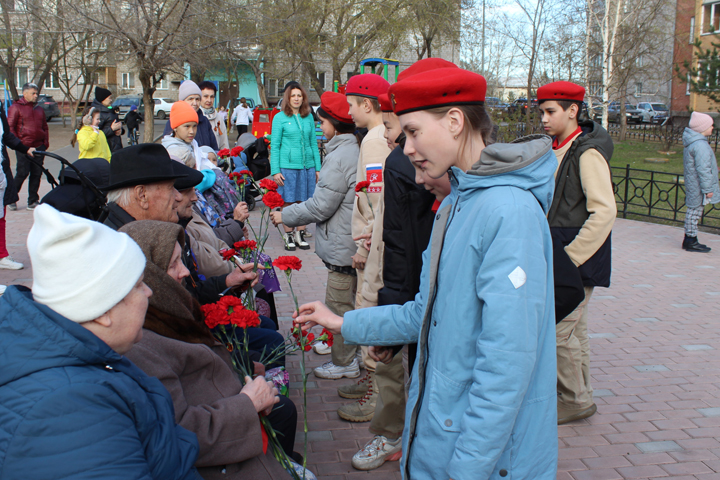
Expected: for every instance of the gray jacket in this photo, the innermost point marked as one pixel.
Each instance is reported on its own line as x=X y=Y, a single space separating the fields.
x=331 y=205
x=701 y=170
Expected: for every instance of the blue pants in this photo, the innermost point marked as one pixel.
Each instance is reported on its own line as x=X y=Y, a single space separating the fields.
x=265 y=338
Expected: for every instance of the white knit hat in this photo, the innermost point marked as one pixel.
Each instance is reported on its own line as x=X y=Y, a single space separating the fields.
x=700 y=122
x=81 y=268
x=187 y=88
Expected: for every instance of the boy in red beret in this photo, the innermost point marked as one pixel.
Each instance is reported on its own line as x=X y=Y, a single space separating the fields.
x=581 y=216
x=362 y=92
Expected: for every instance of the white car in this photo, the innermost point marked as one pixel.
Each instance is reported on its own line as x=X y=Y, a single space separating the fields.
x=162 y=107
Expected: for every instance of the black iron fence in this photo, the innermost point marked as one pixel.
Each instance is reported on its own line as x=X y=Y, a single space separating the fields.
x=667 y=134
x=658 y=195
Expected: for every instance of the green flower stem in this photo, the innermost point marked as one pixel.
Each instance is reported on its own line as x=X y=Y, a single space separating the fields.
x=303 y=342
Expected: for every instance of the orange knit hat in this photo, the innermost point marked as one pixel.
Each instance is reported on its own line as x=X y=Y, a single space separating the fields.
x=181 y=112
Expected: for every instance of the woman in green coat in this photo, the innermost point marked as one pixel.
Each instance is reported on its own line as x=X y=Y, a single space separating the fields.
x=294 y=155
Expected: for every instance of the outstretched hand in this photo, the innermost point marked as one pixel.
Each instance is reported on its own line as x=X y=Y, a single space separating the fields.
x=316 y=313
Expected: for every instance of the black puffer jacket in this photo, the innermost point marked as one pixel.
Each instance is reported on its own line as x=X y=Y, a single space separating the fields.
x=107 y=117
x=407 y=226
x=9 y=140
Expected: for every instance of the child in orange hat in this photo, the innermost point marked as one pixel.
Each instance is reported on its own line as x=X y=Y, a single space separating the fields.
x=181 y=142
x=581 y=217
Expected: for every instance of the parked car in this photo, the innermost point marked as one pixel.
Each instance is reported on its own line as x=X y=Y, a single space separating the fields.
x=653 y=112
x=632 y=114
x=494 y=103
x=123 y=103
x=520 y=105
x=48 y=103
x=162 y=107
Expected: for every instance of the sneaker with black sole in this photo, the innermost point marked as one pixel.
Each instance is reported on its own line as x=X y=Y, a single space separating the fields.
x=332 y=372
x=376 y=452
x=691 y=244
x=33 y=205
x=300 y=240
x=12 y=207
x=290 y=242
x=358 y=389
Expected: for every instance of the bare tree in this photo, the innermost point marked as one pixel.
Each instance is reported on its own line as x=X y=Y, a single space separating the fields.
x=13 y=41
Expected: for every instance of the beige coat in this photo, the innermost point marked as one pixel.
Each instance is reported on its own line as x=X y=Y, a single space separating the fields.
x=206 y=395
x=374 y=149
x=219 y=129
x=205 y=245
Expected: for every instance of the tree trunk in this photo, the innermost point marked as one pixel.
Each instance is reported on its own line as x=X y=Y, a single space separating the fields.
x=623 y=121
x=148 y=91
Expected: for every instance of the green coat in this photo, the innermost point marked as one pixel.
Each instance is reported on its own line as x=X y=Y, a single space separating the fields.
x=292 y=147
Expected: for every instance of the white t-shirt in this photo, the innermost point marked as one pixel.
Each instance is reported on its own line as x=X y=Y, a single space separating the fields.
x=242 y=115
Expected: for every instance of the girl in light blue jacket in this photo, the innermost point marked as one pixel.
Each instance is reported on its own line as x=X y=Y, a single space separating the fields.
x=482 y=402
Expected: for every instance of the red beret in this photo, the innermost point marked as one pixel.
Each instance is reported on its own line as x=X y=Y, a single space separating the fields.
x=438 y=88
x=366 y=85
x=423 y=66
x=336 y=105
x=384 y=101
x=561 y=91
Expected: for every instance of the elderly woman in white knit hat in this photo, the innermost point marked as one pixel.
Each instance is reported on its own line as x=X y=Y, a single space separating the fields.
x=72 y=406
x=701 y=177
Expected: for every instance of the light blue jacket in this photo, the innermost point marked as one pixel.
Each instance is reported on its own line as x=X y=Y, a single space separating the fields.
x=482 y=402
x=700 y=169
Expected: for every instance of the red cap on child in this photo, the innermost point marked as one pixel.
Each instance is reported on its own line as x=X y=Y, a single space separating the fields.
x=336 y=105
x=438 y=88
x=366 y=85
x=384 y=101
x=561 y=91
x=423 y=66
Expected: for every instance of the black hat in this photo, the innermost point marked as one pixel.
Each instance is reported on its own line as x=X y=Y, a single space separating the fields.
x=193 y=178
x=143 y=164
x=101 y=94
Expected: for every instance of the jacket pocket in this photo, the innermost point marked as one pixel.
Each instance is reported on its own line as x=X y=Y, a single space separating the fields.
x=448 y=400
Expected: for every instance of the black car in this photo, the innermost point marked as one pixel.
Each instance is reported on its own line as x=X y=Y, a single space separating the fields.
x=632 y=114
x=521 y=105
x=49 y=105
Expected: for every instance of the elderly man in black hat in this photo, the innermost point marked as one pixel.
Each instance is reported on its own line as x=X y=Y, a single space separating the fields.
x=145 y=184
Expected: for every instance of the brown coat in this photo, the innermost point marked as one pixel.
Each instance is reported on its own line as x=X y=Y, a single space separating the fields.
x=206 y=245
x=206 y=395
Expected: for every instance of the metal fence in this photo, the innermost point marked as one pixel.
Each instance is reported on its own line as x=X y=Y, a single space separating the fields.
x=657 y=195
x=667 y=134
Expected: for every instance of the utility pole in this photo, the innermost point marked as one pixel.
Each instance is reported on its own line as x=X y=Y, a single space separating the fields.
x=482 y=55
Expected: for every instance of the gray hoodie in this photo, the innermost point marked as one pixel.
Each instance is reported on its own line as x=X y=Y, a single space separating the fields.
x=331 y=205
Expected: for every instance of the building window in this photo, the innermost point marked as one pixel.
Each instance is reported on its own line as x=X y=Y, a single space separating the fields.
x=638 y=89
x=321 y=79
x=22 y=76
x=639 y=61
x=163 y=85
x=596 y=61
x=128 y=80
x=595 y=89
x=711 y=18
x=692 y=30
x=351 y=74
x=51 y=81
x=271 y=87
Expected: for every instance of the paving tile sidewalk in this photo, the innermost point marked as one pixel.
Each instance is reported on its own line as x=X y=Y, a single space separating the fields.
x=655 y=337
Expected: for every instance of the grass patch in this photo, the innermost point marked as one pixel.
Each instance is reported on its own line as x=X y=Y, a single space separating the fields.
x=635 y=152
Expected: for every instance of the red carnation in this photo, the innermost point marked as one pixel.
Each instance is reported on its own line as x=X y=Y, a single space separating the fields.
x=235 y=152
x=362 y=186
x=288 y=262
x=245 y=245
x=330 y=337
x=214 y=315
x=268 y=184
x=273 y=200
x=228 y=302
x=244 y=318
x=227 y=253
x=224 y=153
x=245 y=172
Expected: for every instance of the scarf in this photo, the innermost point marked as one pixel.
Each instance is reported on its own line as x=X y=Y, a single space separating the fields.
x=208 y=112
x=173 y=312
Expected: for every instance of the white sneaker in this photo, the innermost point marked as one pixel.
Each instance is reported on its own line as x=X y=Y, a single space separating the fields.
x=8 y=263
x=2 y=290
x=332 y=371
x=322 y=348
x=377 y=451
x=359 y=358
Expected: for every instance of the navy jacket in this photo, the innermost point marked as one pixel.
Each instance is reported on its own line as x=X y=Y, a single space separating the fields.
x=204 y=136
x=71 y=407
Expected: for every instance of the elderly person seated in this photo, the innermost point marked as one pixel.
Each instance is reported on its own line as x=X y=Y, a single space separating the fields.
x=142 y=186
x=209 y=398
x=72 y=405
